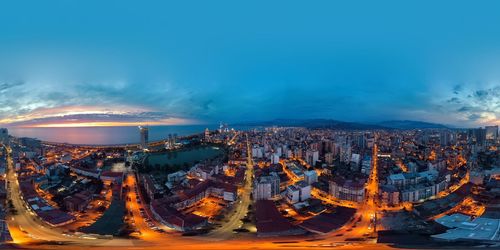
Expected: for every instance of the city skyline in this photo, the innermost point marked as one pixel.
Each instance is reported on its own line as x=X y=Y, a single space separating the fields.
x=223 y=124
x=171 y=64
x=269 y=188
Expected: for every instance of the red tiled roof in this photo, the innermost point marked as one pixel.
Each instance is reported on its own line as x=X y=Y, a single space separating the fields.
x=201 y=187
x=327 y=222
x=227 y=187
x=111 y=174
x=269 y=219
x=56 y=216
x=172 y=216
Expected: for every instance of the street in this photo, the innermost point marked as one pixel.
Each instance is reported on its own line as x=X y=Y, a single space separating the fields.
x=25 y=227
x=240 y=210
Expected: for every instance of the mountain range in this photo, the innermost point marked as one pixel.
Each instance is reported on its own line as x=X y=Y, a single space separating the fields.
x=335 y=124
x=406 y=124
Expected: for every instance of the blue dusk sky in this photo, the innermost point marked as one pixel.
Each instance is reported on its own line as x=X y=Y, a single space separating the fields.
x=100 y=63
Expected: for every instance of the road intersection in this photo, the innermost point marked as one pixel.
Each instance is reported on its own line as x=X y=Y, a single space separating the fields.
x=30 y=232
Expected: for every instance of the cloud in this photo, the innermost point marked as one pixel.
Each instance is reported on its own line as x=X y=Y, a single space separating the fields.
x=474 y=117
x=454 y=100
x=474 y=105
x=464 y=109
x=110 y=119
x=50 y=90
x=93 y=116
x=4 y=87
x=457 y=89
x=64 y=67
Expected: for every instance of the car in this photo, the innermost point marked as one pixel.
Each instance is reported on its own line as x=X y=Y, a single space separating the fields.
x=355 y=239
x=135 y=234
x=189 y=234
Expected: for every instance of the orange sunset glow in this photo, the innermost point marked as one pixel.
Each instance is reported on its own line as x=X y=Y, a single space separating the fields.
x=219 y=125
x=170 y=121
x=91 y=116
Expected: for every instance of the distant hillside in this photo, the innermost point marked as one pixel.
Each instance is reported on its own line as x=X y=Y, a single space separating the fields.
x=405 y=124
x=314 y=123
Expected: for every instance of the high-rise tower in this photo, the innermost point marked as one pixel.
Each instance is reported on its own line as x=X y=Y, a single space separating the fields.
x=144 y=131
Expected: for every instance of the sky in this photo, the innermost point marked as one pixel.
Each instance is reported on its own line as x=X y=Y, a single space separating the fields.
x=105 y=63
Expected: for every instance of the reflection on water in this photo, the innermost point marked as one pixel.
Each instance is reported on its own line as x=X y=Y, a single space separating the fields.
x=105 y=135
x=110 y=135
x=118 y=167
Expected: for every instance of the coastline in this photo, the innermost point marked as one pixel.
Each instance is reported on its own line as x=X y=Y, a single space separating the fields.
x=105 y=136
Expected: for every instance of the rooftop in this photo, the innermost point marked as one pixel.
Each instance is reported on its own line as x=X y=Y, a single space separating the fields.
x=461 y=227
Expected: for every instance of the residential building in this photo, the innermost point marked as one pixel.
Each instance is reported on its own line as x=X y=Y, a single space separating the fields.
x=144 y=132
x=350 y=190
x=310 y=176
x=292 y=194
x=266 y=187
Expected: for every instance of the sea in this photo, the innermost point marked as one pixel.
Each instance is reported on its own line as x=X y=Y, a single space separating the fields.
x=109 y=135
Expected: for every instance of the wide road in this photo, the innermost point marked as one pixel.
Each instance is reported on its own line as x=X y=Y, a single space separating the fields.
x=31 y=233
x=240 y=210
x=25 y=220
x=133 y=206
x=26 y=227
x=367 y=212
x=362 y=225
